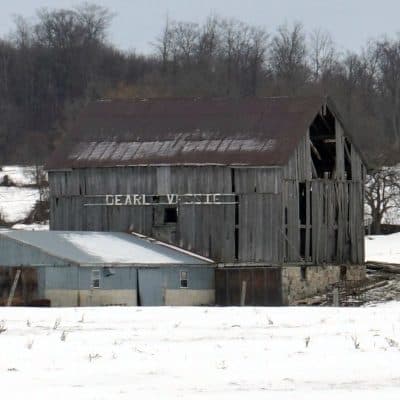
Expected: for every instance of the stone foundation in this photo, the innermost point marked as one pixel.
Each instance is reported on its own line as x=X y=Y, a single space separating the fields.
x=299 y=282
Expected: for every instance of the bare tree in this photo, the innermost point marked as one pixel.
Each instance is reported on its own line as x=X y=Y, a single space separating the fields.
x=382 y=195
x=388 y=58
x=6 y=54
x=243 y=49
x=177 y=46
x=163 y=45
x=57 y=62
x=208 y=41
x=322 y=53
x=22 y=36
x=288 y=57
x=258 y=41
x=185 y=37
x=95 y=20
x=230 y=50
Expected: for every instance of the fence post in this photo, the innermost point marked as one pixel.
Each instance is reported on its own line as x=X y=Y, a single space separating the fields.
x=13 y=287
x=243 y=293
x=335 y=299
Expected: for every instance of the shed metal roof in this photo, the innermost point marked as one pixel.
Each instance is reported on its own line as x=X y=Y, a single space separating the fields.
x=227 y=131
x=109 y=248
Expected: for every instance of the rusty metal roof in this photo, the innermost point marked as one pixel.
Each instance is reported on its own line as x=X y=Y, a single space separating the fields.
x=225 y=131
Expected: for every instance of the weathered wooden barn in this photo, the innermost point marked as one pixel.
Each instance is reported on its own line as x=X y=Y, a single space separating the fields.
x=100 y=268
x=271 y=189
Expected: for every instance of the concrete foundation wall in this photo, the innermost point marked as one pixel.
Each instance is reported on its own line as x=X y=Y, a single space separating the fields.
x=301 y=282
x=99 y=297
x=88 y=298
x=189 y=297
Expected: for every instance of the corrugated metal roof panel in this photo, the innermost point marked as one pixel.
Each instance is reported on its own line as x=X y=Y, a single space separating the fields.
x=108 y=248
x=249 y=131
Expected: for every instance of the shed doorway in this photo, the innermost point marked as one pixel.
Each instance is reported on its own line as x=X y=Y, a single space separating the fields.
x=150 y=287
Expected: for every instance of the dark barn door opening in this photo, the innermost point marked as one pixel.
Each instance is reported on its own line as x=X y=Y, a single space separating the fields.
x=263 y=286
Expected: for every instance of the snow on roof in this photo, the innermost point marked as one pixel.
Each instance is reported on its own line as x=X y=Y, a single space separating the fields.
x=104 y=247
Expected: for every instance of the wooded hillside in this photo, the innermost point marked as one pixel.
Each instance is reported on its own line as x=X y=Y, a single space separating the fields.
x=53 y=66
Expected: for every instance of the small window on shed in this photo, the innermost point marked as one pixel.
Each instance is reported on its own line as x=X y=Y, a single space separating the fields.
x=95 y=278
x=170 y=215
x=184 y=279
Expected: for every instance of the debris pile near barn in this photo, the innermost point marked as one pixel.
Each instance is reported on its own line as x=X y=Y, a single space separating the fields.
x=382 y=284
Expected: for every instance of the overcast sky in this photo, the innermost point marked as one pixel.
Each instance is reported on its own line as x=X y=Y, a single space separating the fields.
x=138 y=22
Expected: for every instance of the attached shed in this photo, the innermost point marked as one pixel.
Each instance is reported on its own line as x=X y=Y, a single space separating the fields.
x=101 y=268
x=255 y=182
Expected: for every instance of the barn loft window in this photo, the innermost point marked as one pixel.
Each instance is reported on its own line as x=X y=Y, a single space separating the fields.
x=95 y=278
x=183 y=279
x=170 y=215
x=323 y=145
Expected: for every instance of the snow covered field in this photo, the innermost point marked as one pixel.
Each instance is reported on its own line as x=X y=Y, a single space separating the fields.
x=17 y=201
x=192 y=353
x=385 y=248
x=20 y=175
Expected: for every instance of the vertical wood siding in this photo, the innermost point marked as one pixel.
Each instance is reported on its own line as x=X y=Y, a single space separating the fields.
x=264 y=226
x=208 y=230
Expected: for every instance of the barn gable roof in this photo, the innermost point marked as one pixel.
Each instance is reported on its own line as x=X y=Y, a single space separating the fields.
x=221 y=131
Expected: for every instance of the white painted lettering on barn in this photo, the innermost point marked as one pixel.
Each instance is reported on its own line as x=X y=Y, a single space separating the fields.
x=161 y=199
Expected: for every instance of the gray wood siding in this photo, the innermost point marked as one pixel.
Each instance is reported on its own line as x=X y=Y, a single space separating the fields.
x=333 y=228
x=208 y=230
x=357 y=166
x=162 y=180
x=336 y=229
x=299 y=164
x=70 y=213
x=258 y=180
x=264 y=226
x=260 y=228
x=291 y=223
x=205 y=229
x=339 y=172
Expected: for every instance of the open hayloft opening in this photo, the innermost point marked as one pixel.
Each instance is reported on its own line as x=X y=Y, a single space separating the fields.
x=323 y=145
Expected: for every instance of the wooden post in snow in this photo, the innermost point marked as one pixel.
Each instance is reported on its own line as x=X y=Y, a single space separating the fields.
x=336 y=302
x=13 y=287
x=243 y=293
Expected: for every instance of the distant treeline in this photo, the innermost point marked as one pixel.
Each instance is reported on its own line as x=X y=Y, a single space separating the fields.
x=50 y=68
